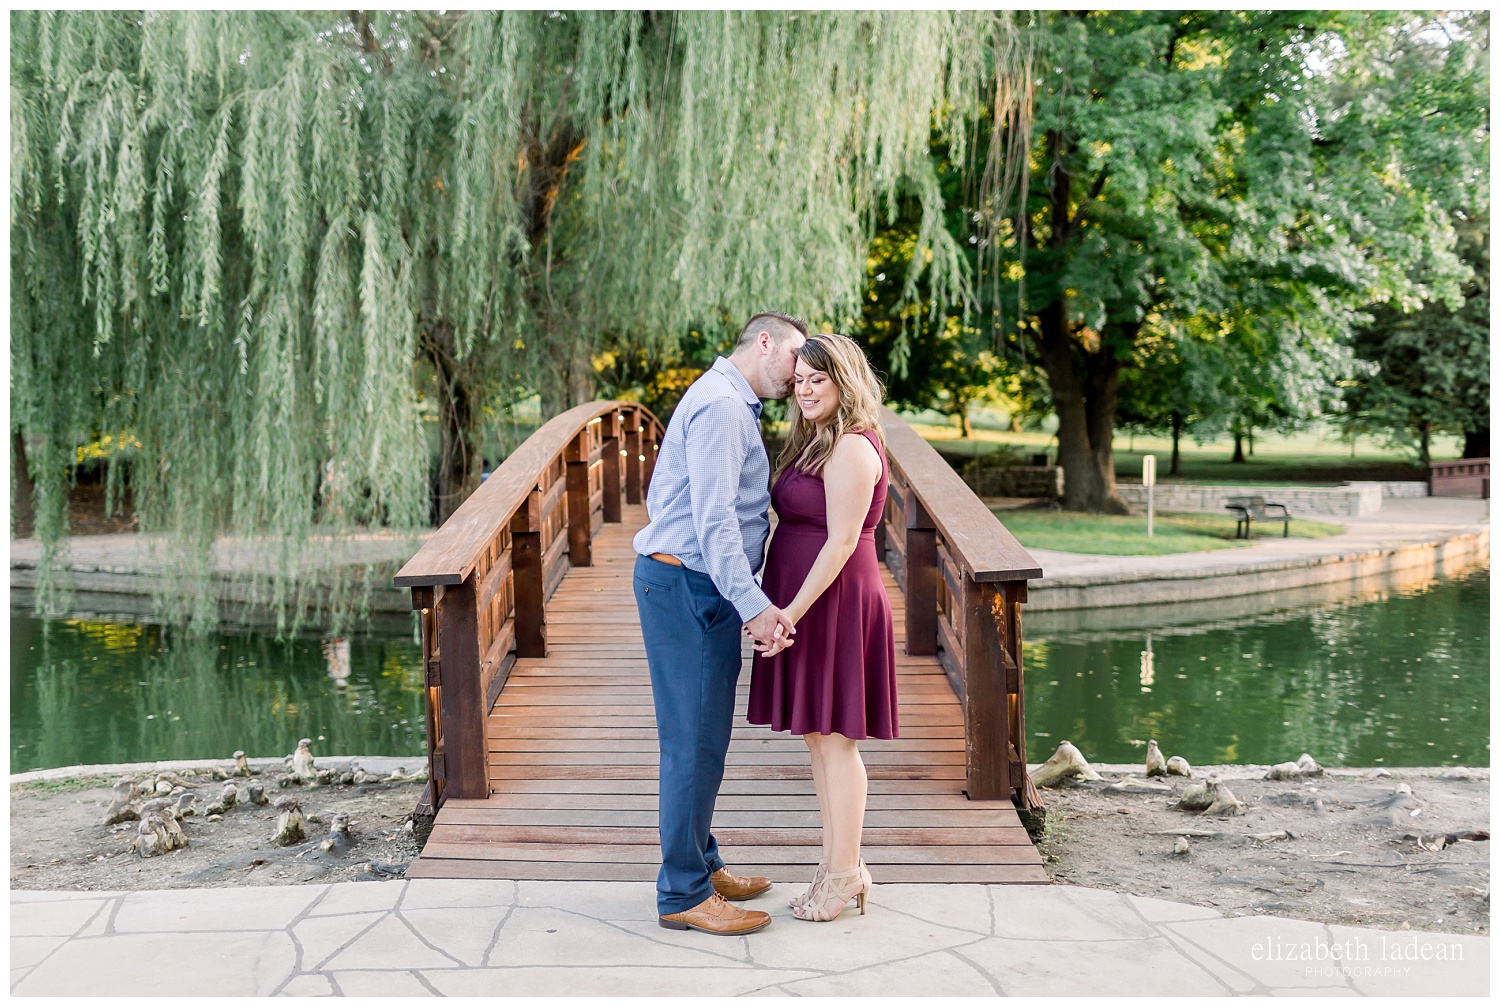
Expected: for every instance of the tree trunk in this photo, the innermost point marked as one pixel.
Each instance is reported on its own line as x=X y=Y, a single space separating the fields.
x=460 y=424
x=1239 y=448
x=23 y=490
x=1085 y=415
x=1080 y=478
x=1176 y=469
x=1477 y=443
x=965 y=428
x=1102 y=369
x=1424 y=444
x=1250 y=441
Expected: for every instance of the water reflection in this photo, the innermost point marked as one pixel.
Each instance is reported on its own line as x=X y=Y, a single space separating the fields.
x=1403 y=681
x=93 y=691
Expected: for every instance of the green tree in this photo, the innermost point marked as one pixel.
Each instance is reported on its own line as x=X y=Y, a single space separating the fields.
x=1217 y=170
x=259 y=244
x=1428 y=370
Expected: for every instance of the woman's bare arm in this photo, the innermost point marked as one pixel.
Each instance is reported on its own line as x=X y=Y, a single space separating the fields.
x=849 y=481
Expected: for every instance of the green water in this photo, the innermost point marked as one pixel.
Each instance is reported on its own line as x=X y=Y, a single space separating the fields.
x=88 y=692
x=1398 y=682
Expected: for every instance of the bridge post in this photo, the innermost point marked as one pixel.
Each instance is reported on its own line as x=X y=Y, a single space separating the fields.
x=580 y=520
x=648 y=449
x=530 y=578
x=987 y=714
x=921 y=579
x=633 y=457
x=464 y=747
x=611 y=458
x=1014 y=592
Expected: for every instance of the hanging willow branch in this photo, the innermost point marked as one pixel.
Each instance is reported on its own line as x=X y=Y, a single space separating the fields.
x=245 y=241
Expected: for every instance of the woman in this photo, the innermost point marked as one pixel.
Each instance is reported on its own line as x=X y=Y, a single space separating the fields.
x=837 y=683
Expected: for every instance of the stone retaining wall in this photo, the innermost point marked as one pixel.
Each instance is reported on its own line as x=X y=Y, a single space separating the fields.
x=1431 y=559
x=1349 y=500
x=1013 y=480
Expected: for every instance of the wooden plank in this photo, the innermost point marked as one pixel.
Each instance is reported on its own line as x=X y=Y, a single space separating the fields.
x=503 y=772
x=494 y=580
x=921 y=581
x=633 y=458
x=1003 y=836
x=610 y=747
x=580 y=514
x=462 y=693
x=612 y=499
x=723 y=820
x=554 y=564
x=987 y=726
x=621 y=853
x=726 y=802
x=1013 y=874
x=530 y=587
x=742 y=757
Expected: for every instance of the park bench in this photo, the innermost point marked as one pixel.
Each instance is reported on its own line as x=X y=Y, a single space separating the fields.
x=1248 y=509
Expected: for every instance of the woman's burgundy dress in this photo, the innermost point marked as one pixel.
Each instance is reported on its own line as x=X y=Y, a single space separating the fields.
x=839 y=676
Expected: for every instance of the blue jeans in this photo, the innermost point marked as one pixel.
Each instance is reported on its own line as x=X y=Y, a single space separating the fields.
x=693 y=650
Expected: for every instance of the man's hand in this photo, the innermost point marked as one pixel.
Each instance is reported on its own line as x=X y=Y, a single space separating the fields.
x=771 y=630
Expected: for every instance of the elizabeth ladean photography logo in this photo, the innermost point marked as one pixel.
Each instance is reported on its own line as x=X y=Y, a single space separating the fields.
x=1357 y=950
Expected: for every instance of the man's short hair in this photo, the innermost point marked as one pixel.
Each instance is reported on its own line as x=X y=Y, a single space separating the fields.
x=779 y=324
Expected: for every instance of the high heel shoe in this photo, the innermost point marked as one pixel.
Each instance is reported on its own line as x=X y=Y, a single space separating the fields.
x=834 y=894
x=799 y=900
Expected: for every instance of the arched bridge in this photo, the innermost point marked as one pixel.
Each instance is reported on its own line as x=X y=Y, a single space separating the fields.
x=541 y=737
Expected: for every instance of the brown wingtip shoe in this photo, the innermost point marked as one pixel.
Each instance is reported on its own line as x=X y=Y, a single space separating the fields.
x=738 y=889
x=715 y=916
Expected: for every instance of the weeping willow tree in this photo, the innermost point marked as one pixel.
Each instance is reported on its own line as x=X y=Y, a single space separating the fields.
x=256 y=246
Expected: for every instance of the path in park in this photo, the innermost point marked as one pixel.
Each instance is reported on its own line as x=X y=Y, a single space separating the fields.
x=549 y=938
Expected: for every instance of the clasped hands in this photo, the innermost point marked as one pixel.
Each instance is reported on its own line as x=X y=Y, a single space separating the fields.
x=772 y=631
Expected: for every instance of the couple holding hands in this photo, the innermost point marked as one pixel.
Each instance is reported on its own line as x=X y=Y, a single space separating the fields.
x=825 y=662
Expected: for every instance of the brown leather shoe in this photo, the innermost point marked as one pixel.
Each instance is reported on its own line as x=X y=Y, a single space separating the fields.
x=738 y=889
x=715 y=916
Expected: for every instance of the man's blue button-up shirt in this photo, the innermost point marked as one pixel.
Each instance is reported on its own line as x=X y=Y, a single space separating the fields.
x=710 y=490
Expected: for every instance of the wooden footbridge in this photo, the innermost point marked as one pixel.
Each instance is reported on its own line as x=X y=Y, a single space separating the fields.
x=541 y=737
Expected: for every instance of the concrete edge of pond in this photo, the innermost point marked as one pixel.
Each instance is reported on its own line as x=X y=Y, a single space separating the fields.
x=377 y=765
x=1155 y=580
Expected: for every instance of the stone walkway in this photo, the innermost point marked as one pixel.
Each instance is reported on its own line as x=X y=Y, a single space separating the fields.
x=534 y=938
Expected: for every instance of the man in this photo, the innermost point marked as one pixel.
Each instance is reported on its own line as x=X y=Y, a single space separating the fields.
x=695 y=588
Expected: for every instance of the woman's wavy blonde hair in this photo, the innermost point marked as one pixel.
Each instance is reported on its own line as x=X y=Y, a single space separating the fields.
x=860 y=396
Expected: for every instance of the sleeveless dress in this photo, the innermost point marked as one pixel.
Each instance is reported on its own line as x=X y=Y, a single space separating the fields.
x=839 y=676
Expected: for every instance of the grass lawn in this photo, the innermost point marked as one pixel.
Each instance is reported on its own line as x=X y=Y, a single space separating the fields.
x=1112 y=535
x=1308 y=458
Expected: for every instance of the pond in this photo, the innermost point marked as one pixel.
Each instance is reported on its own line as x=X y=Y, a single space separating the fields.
x=1397 y=679
x=91 y=691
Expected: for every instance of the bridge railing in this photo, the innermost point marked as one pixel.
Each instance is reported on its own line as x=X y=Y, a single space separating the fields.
x=964 y=577
x=483 y=579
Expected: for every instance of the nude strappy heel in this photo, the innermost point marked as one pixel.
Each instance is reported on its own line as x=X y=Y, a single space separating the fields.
x=801 y=900
x=830 y=898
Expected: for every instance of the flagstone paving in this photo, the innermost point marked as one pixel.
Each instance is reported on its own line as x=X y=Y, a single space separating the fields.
x=537 y=938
